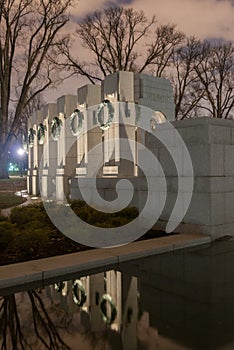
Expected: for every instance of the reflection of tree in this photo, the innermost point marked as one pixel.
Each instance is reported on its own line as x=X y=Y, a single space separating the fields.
x=14 y=336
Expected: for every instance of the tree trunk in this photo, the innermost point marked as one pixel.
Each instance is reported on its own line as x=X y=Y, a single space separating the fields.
x=3 y=164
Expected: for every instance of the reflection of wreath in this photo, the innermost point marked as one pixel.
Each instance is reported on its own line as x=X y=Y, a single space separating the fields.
x=108 y=319
x=41 y=133
x=100 y=116
x=59 y=286
x=56 y=125
x=31 y=134
x=78 y=293
x=25 y=141
x=76 y=114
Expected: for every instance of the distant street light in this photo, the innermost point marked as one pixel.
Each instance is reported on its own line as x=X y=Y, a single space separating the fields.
x=21 y=152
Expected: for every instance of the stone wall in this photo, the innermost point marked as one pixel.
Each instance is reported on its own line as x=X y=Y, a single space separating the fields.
x=210 y=143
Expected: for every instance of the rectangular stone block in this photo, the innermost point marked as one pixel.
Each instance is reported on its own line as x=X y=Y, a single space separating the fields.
x=155 y=93
x=50 y=111
x=222 y=184
x=232 y=136
x=207 y=159
x=119 y=87
x=229 y=160
x=89 y=95
x=217 y=208
x=196 y=134
x=219 y=134
x=172 y=161
x=199 y=211
x=66 y=104
x=216 y=160
x=229 y=207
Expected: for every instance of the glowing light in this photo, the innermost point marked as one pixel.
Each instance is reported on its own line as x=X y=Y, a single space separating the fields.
x=20 y=151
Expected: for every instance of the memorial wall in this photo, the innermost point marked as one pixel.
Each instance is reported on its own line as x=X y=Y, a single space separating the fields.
x=68 y=139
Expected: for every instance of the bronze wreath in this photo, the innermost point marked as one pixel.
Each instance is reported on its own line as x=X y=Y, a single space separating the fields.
x=100 y=116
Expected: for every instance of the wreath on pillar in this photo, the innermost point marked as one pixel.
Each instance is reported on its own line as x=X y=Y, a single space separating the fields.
x=108 y=319
x=41 y=133
x=56 y=126
x=78 y=293
x=31 y=133
x=80 y=116
x=100 y=114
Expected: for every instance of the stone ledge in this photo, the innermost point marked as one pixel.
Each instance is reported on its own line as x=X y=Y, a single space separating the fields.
x=17 y=277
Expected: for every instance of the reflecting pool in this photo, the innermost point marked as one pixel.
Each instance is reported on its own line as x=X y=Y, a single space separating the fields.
x=179 y=300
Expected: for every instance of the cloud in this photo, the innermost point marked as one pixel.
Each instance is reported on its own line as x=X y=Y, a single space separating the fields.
x=203 y=18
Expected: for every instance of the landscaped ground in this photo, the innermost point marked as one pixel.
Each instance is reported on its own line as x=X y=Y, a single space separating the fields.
x=9 y=199
x=29 y=234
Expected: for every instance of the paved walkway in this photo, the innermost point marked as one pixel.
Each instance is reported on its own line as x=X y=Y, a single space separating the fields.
x=30 y=200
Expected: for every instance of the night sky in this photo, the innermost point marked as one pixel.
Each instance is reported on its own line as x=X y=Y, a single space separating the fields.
x=206 y=19
x=203 y=18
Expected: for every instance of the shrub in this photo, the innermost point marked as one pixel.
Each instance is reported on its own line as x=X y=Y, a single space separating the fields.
x=26 y=215
x=8 y=232
x=33 y=241
x=102 y=219
x=3 y=217
x=130 y=213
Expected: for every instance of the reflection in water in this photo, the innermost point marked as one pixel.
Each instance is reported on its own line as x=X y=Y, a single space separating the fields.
x=25 y=324
x=182 y=300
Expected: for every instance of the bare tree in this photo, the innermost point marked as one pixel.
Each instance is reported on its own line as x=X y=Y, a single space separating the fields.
x=188 y=90
x=29 y=32
x=122 y=39
x=215 y=70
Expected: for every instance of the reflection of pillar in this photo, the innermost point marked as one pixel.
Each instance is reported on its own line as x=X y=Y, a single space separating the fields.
x=65 y=106
x=96 y=290
x=129 y=312
x=113 y=287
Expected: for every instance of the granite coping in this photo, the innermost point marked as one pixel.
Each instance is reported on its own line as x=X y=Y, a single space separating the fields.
x=42 y=270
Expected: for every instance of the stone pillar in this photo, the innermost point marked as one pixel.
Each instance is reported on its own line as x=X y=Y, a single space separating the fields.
x=49 y=153
x=37 y=153
x=89 y=97
x=65 y=106
x=155 y=93
x=119 y=87
x=30 y=159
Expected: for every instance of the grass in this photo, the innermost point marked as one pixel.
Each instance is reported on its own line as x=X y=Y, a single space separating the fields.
x=9 y=199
